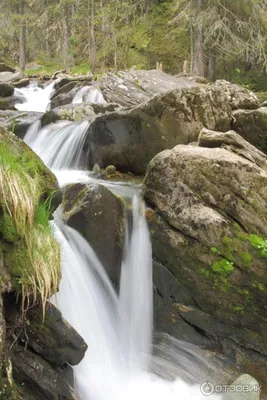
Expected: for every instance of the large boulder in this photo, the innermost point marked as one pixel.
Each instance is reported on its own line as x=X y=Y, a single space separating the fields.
x=130 y=139
x=252 y=125
x=98 y=215
x=208 y=227
x=238 y=96
x=130 y=88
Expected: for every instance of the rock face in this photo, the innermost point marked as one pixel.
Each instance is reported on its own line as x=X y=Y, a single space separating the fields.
x=209 y=229
x=98 y=215
x=252 y=125
x=129 y=140
x=51 y=345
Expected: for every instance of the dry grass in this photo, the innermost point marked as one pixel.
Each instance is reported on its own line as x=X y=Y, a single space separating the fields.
x=34 y=259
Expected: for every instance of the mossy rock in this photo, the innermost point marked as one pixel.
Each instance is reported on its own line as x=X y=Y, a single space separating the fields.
x=28 y=194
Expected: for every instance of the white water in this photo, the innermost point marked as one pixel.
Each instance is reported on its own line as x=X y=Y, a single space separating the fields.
x=60 y=144
x=118 y=329
x=89 y=94
x=118 y=364
x=34 y=98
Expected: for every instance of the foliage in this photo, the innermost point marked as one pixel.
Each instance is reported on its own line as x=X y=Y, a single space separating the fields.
x=101 y=35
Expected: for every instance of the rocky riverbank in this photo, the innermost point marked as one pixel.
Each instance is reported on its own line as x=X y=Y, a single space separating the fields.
x=202 y=149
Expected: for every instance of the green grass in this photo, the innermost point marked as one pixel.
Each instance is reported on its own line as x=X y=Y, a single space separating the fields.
x=33 y=260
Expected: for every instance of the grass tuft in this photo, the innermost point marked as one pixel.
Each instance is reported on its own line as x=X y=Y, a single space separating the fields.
x=34 y=257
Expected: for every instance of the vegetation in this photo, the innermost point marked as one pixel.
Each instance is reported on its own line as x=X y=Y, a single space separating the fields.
x=33 y=256
x=215 y=38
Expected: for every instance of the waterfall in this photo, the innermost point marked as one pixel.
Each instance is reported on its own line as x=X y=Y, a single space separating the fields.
x=118 y=328
x=119 y=363
x=34 y=98
x=89 y=94
x=60 y=145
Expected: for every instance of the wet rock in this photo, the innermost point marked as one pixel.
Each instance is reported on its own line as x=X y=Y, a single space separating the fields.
x=77 y=112
x=22 y=83
x=238 y=96
x=37 y=377
x=130 y=139
x=98 y=215
x=6 y=90
x=65 y=94
x=7 y=103
x=52 y=338
x=18 y=121
x=252 y=126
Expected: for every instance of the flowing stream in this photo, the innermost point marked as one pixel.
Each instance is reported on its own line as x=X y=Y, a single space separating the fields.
x=119 y=363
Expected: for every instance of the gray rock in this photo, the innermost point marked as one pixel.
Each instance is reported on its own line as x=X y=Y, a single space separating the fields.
x=233 y=142
x=52 y=338
x=37 y=377
x=251 y=389
x=99 y=216
x=238 y=96
x=130 y=88
x=18 y=121
x=6 y=90
x=252 y=126
x=130 y=139
x=9 y=77
x=208 y=228
x=6 y=68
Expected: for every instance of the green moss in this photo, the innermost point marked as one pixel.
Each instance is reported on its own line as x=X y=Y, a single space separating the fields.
x=214 y=250
x=223 y=267
x=258 y=243
x=236 y=308
x=246 y=259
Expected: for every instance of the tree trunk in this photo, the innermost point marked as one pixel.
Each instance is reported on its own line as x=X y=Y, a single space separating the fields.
x=22 y=35
x=92 y=51
x=197 y=51
x=212 y=65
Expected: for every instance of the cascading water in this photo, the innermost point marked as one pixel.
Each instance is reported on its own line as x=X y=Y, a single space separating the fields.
x=119 y=363
x=34 y=98
x=59 y=145
x=89 y=94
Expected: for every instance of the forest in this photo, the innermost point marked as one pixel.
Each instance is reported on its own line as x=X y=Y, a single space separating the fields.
x=211 y=38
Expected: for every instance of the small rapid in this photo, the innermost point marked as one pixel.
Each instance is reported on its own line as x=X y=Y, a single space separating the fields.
x=33 y=97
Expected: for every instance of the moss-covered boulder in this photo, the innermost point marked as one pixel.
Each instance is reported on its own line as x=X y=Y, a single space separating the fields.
x=252 y=126
x=209 y=228
x=98 y=215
